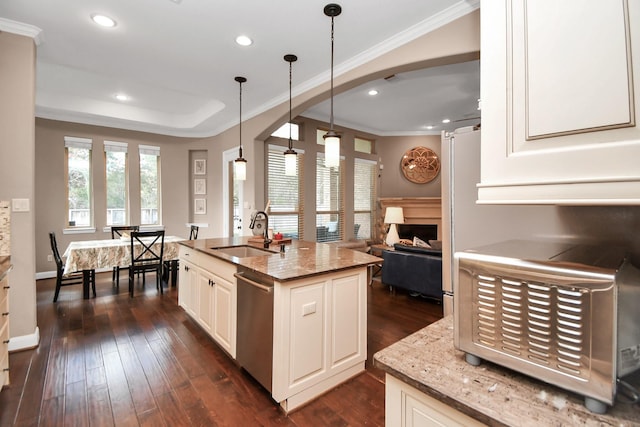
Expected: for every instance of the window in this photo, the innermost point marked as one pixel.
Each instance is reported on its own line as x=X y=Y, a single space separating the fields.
x=285 y=192
x=79 y=184
x=149 y=185
x=283 y=131
x=364 y=191
x=117 y=191
x=329 y=201
x=363 y=145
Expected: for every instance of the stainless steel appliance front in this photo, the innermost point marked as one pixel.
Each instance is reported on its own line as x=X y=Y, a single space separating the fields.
x=254 y=340
x=564 y=313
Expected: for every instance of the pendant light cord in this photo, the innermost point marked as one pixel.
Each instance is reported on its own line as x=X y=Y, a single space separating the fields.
x=290 y=74
x=331 y=117
x=240 y=124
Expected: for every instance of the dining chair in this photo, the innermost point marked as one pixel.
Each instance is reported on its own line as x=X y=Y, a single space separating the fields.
x=147 y=249
x=193 y=234
x=75 y=278
x=166 y=273
x=117 y=231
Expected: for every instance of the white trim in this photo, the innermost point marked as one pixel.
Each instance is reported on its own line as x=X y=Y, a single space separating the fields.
x=21 y=29
x=75 y=142
x=79 y=230
x=198 y=224
x=114 y=146
x=46 y=275
x=25 y=342
x=149 y=149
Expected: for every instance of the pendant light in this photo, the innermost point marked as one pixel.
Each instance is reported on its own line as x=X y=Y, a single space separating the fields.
x=240 y=162
x=331 y=138
x=290 y=156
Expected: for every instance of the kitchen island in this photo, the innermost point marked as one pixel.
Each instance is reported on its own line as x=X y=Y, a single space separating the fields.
x=316 y=322
x=428 y=380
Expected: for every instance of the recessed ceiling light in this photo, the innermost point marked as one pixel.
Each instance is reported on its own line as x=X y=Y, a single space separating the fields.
x=122 y=97
x=373 y=92
x=429 y=127
x=103 y=20
x=244 y=41
x=446 y=121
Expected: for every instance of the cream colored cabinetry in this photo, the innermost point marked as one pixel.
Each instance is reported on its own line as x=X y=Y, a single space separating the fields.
x=560 y=85
x=4 y=332
x=406 y=406
x=320 y=327
x=208 y=294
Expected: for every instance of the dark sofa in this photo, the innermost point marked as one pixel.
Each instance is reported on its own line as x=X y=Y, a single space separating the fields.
x=414 y=269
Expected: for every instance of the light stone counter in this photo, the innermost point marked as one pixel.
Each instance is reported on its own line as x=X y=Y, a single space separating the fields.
x=301 y=259
x=428 y=361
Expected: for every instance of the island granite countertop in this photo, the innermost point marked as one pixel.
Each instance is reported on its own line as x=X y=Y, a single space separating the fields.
x=300 y=259
x=496 y=396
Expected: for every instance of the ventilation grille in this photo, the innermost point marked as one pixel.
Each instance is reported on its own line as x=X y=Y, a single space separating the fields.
x=544 y=324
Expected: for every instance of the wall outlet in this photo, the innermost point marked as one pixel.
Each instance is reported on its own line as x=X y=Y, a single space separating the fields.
x=50 y=258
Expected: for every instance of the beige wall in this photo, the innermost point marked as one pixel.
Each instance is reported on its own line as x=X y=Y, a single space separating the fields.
x=17 y=89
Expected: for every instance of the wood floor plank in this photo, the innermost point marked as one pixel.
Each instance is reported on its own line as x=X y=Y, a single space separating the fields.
x=75 y=367
x=52 y=412
x=152 y=369
x=170 y=366
x=76 y=411
x=54 y=384
x=119 y=394
x=99 y=407
x=139 y=387
x=172 y=412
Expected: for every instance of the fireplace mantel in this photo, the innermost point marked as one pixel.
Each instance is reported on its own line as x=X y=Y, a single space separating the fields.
x=417 y=210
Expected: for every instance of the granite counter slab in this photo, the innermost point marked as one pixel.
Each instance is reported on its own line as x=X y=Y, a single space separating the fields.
x=300 y=259
x=496 y=396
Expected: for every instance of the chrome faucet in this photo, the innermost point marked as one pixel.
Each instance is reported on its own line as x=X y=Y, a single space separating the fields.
x=267 y=240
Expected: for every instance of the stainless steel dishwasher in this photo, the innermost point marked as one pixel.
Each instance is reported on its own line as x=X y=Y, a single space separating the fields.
x=254 y=341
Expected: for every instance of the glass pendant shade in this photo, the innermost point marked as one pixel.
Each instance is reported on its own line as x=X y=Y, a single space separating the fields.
x=240 y=166
x=290 y=163
x=331 y=149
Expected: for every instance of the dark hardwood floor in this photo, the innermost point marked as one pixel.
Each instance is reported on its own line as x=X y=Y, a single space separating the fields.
x=113 y=360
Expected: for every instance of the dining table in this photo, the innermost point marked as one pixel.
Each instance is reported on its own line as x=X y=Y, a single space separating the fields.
x=87 y=255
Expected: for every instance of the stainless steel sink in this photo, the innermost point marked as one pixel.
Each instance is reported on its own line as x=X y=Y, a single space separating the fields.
x=243 y=251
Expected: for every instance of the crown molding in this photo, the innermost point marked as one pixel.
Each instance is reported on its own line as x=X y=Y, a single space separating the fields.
x=21 y=29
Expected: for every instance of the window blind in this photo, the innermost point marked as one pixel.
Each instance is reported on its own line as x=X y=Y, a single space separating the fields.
x=364 y=196
x=284 y=192
x=329 y=201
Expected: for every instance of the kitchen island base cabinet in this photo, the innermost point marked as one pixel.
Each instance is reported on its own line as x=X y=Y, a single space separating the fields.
x=208 y=297
x=406 y=406
x=320 y=327
x=4 y=331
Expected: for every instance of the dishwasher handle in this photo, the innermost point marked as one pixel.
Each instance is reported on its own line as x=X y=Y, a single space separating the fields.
x=254 y=283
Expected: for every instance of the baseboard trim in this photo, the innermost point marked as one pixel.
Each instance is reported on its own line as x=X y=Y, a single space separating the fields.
x=25 y=342
x=52 y=274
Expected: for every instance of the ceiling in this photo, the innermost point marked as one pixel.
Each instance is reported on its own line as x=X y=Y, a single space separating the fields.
x=176 y=61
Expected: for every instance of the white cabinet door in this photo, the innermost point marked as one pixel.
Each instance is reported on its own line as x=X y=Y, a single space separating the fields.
x=224 y=315
x=187 y=288
x=559 y=98
x=406 y=406
x=206 y=283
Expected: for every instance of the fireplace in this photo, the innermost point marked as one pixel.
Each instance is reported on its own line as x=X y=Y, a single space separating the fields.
x=423 y=212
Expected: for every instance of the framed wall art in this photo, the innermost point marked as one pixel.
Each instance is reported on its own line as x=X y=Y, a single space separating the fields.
x=200 y=206
x=199 y=186
x=199 y=167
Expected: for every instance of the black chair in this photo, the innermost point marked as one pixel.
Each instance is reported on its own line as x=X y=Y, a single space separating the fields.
x=75 y=278
x=171 y=266
x=116 y=232
x=193 y=234
x=147 y=249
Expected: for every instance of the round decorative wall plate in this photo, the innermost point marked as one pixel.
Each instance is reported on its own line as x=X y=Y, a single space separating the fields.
x=420 y=165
